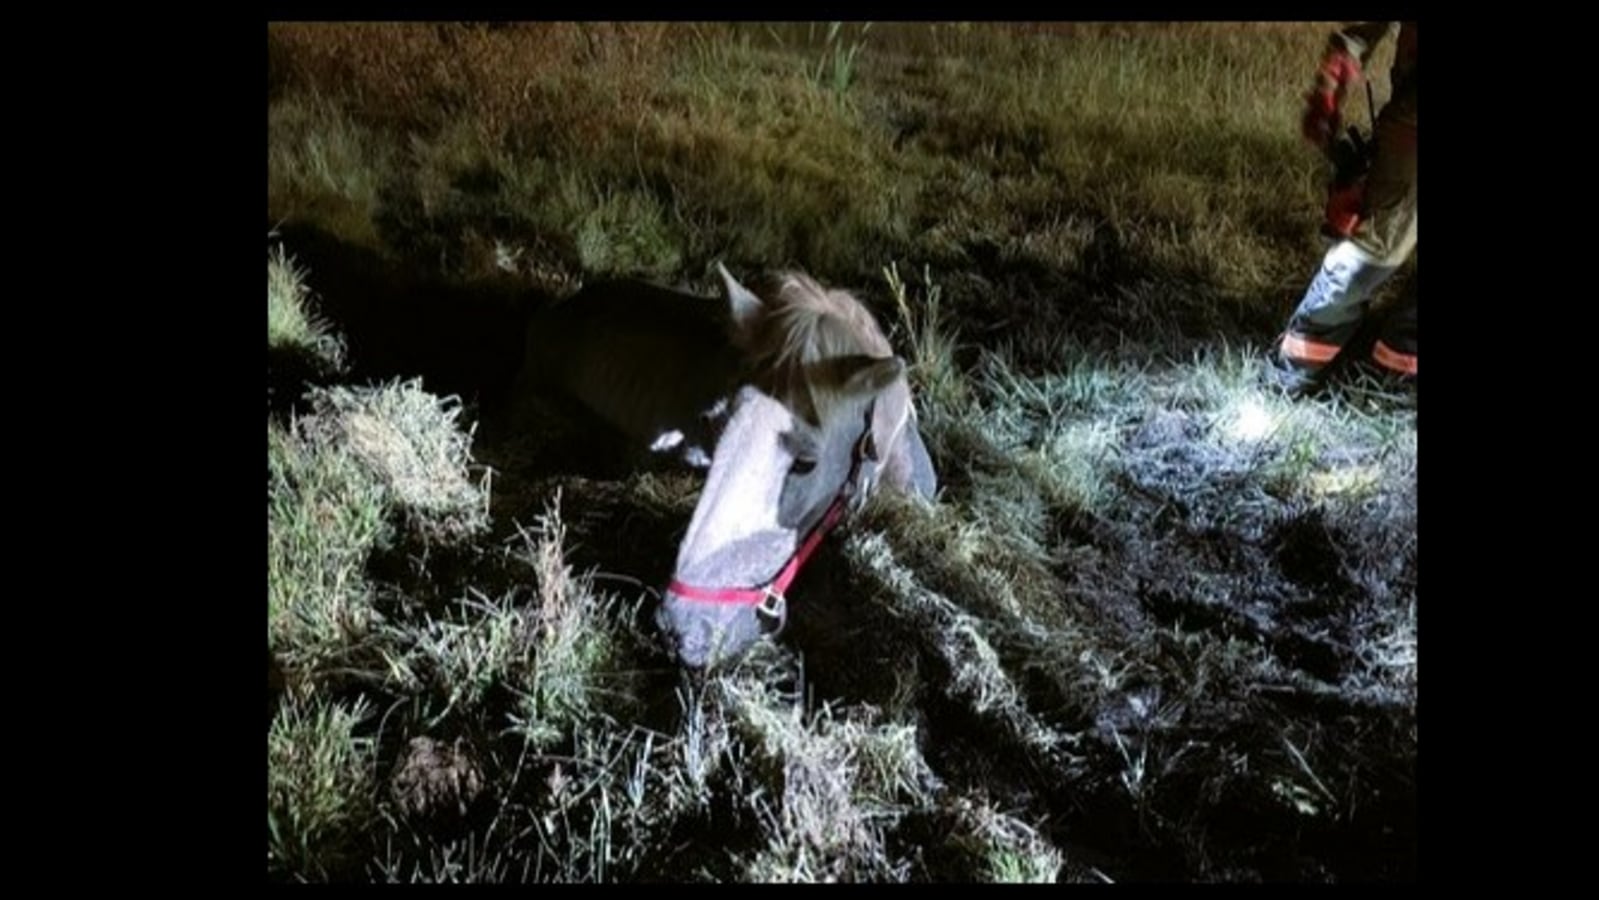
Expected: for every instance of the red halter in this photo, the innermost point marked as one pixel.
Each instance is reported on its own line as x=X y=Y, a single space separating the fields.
x=770 y=598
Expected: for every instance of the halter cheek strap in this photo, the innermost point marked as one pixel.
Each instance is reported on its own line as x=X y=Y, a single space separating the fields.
x=770 y=599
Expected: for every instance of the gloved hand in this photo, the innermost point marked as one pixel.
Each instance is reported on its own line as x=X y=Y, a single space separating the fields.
x=1344 y=205
x=1339 y=69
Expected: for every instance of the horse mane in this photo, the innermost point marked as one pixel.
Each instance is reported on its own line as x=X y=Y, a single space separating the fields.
x=802 y=328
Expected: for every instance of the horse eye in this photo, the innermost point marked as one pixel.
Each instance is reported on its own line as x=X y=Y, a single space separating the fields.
x=802 y=466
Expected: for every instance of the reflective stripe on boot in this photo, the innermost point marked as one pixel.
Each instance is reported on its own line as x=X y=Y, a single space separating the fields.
x=1304 y=350
x=1288 y=369
x=1393 y=360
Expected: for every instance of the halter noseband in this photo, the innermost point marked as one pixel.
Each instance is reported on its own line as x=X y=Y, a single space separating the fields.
x=770 y=600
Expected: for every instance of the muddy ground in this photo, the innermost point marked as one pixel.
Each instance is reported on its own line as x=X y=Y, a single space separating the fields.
x=1249 y=734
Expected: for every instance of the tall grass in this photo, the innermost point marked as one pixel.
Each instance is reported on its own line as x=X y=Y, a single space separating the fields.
x=325 y=516
x=293 y=326
x=702 y=141
x=319 y=788
x=835 y=66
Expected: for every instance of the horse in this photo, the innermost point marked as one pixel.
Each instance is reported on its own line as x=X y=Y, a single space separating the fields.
x=654 y=365
x=791 y=398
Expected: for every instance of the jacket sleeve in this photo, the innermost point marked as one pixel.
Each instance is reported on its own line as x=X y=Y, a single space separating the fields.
x=1361 y=39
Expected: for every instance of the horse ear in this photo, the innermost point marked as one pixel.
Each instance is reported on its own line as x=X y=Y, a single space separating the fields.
x=897 y=444
x=883 y=380
x=742 y=303
x=872 y=375
x=908 y=467
x=891 y=411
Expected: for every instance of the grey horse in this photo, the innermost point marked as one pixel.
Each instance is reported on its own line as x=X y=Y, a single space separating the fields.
x=791 y=396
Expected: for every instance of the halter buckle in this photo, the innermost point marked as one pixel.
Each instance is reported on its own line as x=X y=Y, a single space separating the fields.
x=773 y=609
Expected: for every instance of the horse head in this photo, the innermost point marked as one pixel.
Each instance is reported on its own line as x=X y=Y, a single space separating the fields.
x=824 y=419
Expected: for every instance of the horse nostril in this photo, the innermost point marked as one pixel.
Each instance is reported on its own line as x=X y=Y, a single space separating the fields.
x=696 y=645
x=692 y=656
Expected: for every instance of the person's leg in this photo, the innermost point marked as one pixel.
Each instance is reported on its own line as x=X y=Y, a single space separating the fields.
x=1338 y=297
x=1395 y=350
x=1391 y=231
x=1329 y=314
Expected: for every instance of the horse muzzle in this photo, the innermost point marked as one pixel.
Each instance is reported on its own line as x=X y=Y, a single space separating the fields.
x=703 y=634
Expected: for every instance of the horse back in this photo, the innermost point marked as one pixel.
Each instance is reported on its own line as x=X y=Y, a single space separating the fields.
x=644 y=358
